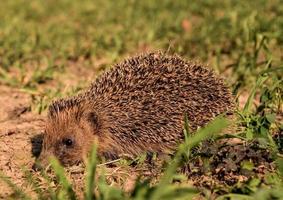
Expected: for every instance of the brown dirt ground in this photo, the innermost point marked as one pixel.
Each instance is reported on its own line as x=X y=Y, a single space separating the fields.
x=17 y=126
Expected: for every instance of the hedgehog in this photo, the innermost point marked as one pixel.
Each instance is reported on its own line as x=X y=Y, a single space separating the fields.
x=136 y=107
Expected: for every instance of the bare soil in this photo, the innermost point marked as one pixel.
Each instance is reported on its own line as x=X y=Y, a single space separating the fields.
x=17 y=128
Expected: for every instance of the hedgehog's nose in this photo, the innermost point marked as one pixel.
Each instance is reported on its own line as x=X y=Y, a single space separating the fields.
x=41 y=163
x=36 y=167
x=39 y=166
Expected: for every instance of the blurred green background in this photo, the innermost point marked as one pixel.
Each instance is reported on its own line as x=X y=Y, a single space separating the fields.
x=236 y=38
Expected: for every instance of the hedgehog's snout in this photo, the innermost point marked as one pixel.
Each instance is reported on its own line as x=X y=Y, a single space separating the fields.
x=42 y=162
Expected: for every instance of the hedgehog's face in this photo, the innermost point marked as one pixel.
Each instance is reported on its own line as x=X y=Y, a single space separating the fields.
x=68 y=137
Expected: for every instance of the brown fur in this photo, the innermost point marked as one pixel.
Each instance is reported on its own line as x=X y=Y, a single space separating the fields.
x=137 y=106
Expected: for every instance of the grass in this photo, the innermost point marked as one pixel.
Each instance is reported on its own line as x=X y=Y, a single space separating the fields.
x=35 y=37
x=43 y=43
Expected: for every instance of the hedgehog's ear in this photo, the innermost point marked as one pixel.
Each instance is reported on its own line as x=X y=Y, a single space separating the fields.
x=93 y=119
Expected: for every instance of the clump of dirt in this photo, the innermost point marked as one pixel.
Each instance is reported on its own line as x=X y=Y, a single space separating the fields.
x=225 y=163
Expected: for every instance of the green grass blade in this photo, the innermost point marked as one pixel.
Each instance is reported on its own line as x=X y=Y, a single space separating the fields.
x=18 y=192
x=235 y=197
x=212 y=128
x=248 y=104
x=90 y=176
x=34 y=184
x=60 y=174
x=178 y=193
x=49 y=181
x=186 y=128
x=108 y=192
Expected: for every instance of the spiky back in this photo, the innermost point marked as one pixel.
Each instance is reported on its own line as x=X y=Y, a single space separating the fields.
x=145 y=98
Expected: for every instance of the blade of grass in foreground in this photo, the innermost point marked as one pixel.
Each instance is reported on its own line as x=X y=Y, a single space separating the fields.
x=60 y=174
x=236 y=197
x=212 y=128
x=49 y=186
x=107 y=191
x=18 y=192
x=90 y=176
x=186 y=128
x=33 y=183
x=248 y=104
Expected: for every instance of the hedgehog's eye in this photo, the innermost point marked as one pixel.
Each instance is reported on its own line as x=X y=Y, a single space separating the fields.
x=68 y=142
